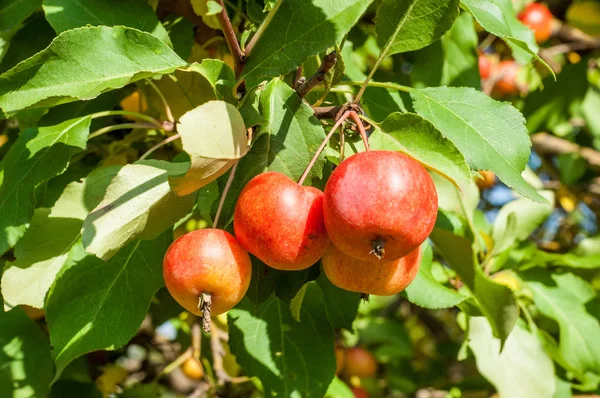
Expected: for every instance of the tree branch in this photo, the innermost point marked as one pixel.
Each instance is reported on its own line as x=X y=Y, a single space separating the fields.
x=546 y=144
x=231 y=39
x=328 y=62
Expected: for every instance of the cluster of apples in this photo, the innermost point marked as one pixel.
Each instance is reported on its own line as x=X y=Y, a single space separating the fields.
x=508 y=81
x=366 y=227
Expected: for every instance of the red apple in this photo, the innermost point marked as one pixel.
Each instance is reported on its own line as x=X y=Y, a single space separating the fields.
x=360 y=363
x=207 y=261
x=486 y=181
x=340 y=359
x=281 y=222
x=378 y=277
x=485 y=66
x=539 y=19
x=379 y=204
x=508 y=83
x=359 y=392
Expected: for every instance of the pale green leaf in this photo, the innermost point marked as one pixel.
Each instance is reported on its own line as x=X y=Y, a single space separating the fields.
x=286 y=142
x=95 y=305
x=495 y=301
x=299 y=29
x=25 y=362
x=413 y=24
x=490 y=134
x=68 y=70
x=38 y=155
x=272 y=346
x=418 y=138
x=44 y=249
x=556 y=297
x=338 y=389
x=214 y=136
x=138 y=204
x=206 y=10
x=522 y=370
x=425 y=291
x=69 y=14
x=528 y=217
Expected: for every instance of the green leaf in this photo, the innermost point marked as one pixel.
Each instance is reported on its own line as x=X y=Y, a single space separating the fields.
x=528 y=217
x=97 y=305
x=498 y=17
x=68 y=70
x=214 y=136
x=559 y=297
x=206 y=10
x=38 y=155
x=286 y=142
x=207 y=196
x=296 y=303
x=425 y=291
x=338 y=389
x=413 y=24
x=14 y=12
x=43 y=250
x=490 y=134
x=341 y=305
x=69 y=14
x=25 y=361
x=495 y=301
x=272 y=346
x=522 y=370
x=138 y=204
x=299 y=29
x=418 y=138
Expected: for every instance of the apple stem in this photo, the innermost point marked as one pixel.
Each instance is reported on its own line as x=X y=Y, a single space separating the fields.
x=378 y=250
x=224 y=194
x=323 y=144
x=364 y=297
x=204 y=304
x=361 y=129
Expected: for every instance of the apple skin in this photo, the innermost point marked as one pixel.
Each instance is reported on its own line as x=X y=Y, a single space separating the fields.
x=378 y=277
x=207 y=261
x=281 y=222
x=485 y=66
x=360 y=363
x=508 y=84
x=359 y=392
x=487 y=180
x=379 y=196
x=539 y=19
x=340 y=359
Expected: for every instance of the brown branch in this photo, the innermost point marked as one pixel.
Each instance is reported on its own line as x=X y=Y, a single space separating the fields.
x=298 y=79
x=231 y=39
x=326 y=112
x=318 y=77
x=569 y=33
x=546 y=144
x=218 y=352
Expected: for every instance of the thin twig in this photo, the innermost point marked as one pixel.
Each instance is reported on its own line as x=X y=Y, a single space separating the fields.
x=123 y=126
x=361 y=129
x=323 y=144
x=326 y=112
x=168 y=112
x=231 y=38
x=298 y=78
x=196 y=340
x=204 y=305
x=546 y=144
x=262 y=28
x=187 y=354
x=224 y=194
x=218 y=353
x=160 y=144
x=328 y=62
x=136 y=115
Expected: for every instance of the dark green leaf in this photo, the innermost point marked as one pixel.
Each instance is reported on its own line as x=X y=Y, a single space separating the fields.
x=341 y=305
x=38 y=155
x=413 y=24
x=14 y=12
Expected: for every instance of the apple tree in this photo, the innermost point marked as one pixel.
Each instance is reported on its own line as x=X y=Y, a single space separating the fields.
x=300 y=198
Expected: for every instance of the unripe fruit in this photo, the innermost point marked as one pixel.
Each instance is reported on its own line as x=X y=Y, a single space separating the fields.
x=378 y=277
x=485 y=66
x=192 y=368
x=281 y=222
x=359 y=392
x=539 y=19
x=340 y=359
x=360 y=363
x=209 y=261
x=509 y=83
x=379 y=204
x=486 y=181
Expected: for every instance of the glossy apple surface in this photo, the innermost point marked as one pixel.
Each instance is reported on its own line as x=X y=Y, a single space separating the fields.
x=379 y=199
x=508 y=83
x=378 y=277
x=539 y=19
x=281 y=222
x=485 y=66
x=207 y=261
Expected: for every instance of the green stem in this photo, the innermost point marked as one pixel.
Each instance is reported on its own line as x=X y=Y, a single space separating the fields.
x=123 y=126
x=136 y=115
x=168 y=112
x=224 y=194
x=187 y=354
x=393 y=86
x=262 y=28
x=159 y=145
